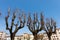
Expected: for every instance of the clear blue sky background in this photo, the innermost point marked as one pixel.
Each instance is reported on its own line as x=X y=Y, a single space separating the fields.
x=50 y=8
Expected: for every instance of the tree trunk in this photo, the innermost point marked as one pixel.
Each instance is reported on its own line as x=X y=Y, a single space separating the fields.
x=12 y=36
x=35 y=36
x=49 y=37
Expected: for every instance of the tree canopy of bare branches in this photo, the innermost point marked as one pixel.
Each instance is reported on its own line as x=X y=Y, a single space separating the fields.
x=17 y=26
x=35 y=25
x=50 y=27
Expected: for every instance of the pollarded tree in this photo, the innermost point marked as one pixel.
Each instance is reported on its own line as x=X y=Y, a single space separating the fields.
x=17 y=26
x=50 y=27
x=35 y=25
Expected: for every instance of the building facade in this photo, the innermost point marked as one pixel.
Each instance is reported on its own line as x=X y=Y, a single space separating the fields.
x=2 y=36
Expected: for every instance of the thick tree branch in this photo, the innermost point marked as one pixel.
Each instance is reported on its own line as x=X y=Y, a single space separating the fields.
x=6 y=20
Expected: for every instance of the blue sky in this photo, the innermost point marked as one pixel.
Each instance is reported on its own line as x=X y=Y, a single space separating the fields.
x=50 y=8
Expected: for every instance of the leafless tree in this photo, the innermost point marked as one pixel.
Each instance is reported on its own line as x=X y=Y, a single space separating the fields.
x=17 y=26
x=35 y=25
x=50 y=27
